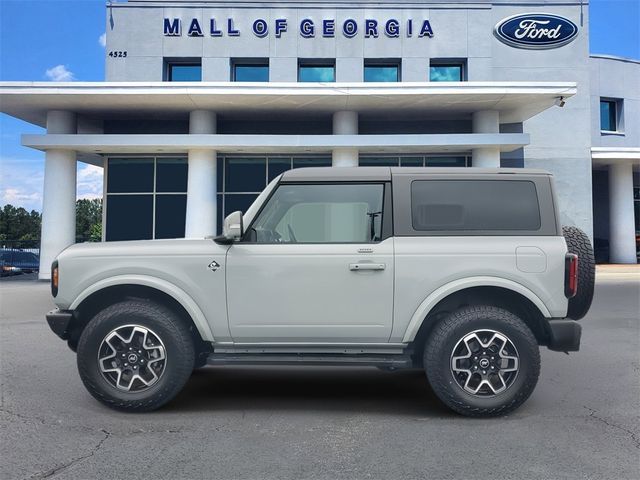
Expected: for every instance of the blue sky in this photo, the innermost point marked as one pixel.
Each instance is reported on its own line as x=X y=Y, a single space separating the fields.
x=60 y=40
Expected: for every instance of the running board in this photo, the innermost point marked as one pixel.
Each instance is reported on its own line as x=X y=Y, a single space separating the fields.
x=386 y=361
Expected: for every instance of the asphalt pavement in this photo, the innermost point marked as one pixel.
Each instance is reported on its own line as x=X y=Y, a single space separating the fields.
x=582 y=421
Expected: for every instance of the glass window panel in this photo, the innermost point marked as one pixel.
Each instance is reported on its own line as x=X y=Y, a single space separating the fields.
x=411 y=161
x=245 y=174
x=446 y=161
x=251 y=73
x=317 y=73
x=608 y=115
x=170 y=216
x=171 y=175
x=302 y=162
x=482 y=205
x=220 y=173
x=329 y=213
x=129 y=217
x=220 y=213
x=381 y=73
x=238 y=201
x=278 y=166
x=127 y=175
x=183 y=72
x=445 y=73
x=379 y=161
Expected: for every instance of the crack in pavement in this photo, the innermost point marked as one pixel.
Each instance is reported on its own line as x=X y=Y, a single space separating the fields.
x=74 y=461
x=634 y=436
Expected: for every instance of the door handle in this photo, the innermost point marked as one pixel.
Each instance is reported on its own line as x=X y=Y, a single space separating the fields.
x=367 y=266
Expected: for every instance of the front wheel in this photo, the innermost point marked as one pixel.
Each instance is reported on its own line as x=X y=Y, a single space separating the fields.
x=482 y=361
x=135 y=355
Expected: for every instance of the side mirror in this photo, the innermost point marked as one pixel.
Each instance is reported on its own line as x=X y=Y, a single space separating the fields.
x=232 y=228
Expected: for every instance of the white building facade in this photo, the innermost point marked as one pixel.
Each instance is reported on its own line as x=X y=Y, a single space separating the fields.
x=205 y=101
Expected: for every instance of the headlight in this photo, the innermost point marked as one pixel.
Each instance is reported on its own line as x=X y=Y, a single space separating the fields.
x=54 y=278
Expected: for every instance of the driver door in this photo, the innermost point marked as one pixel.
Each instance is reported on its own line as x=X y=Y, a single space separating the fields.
x=316 y=266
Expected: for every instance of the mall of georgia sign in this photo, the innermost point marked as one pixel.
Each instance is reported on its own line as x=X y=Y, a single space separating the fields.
x=536 y=31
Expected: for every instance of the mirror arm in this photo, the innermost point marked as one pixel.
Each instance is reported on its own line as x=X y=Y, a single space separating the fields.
x=222 y=240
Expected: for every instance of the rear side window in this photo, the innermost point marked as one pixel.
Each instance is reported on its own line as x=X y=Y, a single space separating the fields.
x=474 y=205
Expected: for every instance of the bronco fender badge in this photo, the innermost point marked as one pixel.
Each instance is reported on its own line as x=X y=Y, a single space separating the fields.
x=214 y=266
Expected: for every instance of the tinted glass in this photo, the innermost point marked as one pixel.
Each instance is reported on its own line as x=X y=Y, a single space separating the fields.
x=483 y=205
x=302 y=162
x=185 y=73
x=126 y=175
x=171 y=175
x=329 y=213
x=170 y=215
x=278 y=166
x=129 y=217
x=219 y=173
x=234 y=202
x=251 y=73
x=445 y=73
x=381 y=73
x=245 y=174
x=220 y=214
x=316 y=73
x=411 y=162
x=378 y=161
x=446 y=161
x=608 y=115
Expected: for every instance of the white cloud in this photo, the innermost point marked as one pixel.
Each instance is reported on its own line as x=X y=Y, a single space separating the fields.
x=16 y=196
x=59 y=73
x=89 y=181
x=102 y=40
x=21 y=182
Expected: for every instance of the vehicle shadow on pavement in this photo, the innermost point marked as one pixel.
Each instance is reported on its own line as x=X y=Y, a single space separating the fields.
x=339 y=389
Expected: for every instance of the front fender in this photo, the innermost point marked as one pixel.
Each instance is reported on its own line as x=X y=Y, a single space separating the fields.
x=170 y=289
x=461 y=284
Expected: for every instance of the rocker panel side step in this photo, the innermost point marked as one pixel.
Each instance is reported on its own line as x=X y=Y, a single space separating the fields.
x=389 y=361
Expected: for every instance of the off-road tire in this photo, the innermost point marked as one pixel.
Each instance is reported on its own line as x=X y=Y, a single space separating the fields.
x=579 y=244
x=171 y=330
x=440 y=346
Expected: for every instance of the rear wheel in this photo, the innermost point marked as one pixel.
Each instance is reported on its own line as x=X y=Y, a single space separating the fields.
x=135 y=355
x=482 y=361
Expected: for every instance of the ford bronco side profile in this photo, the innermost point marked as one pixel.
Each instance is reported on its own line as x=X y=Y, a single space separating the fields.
x=464 y=273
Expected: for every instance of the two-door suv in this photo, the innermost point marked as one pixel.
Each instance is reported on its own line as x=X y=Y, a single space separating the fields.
x=462 y=272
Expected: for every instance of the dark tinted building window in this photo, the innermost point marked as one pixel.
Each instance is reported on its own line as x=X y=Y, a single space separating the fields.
x=608 y=115
x=183 y=71
x=317 y=71
x=171 y=175
x=130 y=175
x=302 y=162
x=278 y=166
x=251 y=71
x=474 y=205
x=245 y=174
x=239 y=201
x=170 y=216
x=129 y=217
x=375 y=71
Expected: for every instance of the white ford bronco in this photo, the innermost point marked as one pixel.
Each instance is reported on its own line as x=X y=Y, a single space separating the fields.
x=461 y=272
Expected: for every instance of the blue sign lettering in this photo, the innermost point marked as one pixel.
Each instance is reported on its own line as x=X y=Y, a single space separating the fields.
x=172 y=28
x=349 y=28
x=426 y=31
x=213 y=30
x=392 y=28
x=260 y=28
x=328 y=28
x=307 y=30
x=194 y=29
x=281 y=26
x=232 y=32
x=536 y=31
x=371 y=28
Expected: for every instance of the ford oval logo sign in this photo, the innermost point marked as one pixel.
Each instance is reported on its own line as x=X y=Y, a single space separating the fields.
x=536 y=31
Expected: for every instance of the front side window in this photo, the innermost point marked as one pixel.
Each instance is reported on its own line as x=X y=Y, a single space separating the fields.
x=317 y=71
x=608 y=115
x=446 y=72
x=321 y=213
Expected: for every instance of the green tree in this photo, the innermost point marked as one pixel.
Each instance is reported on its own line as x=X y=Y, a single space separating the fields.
x=89 y=220
x=19 y=224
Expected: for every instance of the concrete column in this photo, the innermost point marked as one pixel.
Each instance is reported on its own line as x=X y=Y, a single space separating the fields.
x=202 y=209
x=487 y=121
x=345 y=123
x=622 y=242
x=59 y=194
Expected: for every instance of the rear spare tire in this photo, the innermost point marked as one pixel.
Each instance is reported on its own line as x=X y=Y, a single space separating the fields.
x=579 y=244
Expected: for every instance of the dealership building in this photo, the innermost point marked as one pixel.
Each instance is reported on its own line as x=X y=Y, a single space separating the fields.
x=205 y=102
